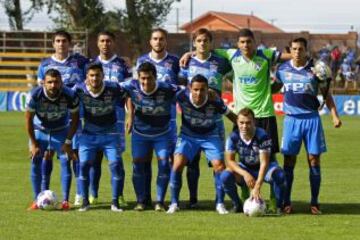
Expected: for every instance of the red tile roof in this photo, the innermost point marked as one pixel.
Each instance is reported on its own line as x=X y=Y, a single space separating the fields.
x=238 y=21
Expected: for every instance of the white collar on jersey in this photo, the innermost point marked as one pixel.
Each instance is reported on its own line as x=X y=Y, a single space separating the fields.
x=51 y=99
x=158 y=60
x=298 y=68
x=107 y=61
x=198 y=106
x=201 y=60
x=60 y=61
x=247 y=142
x=148 y=94
x=95 y=95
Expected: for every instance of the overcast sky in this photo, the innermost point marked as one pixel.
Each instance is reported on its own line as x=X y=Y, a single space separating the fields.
x=311 y=15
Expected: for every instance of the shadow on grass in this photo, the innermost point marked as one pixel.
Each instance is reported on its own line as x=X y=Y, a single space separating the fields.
x=328 y=208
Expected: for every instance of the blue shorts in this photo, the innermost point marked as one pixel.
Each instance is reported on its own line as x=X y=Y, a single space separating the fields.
x=307 y=128
x=268 y=175
x=90 y=144
x=142 y=146
x=51 y=140
x=213 y=146
x=120 y=126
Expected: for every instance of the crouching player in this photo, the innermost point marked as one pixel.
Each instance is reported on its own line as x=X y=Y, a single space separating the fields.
x=254 y=167
x=99 y=99
x=47 y=124
x=199 y=132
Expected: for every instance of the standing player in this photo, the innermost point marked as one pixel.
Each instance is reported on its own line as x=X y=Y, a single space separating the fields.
x=167 y=69
x=72 y=70
x=152 y=130
x=199 y=132
x=302 y=121
x=47 y=124
x=115 y=70
x=254 y=167
x=99 y=100
x=213 y=68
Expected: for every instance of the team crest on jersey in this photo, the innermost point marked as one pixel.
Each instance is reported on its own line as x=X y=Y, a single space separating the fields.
x=168 y=65
x=160 y=98
x=213 y=66
x=288 y=75
x=210 y=111
x=115 y=68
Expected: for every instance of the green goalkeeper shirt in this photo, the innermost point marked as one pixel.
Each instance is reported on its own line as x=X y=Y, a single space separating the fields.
x=251 y=82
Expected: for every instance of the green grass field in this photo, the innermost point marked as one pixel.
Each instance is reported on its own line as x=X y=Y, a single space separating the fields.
x=340 y=198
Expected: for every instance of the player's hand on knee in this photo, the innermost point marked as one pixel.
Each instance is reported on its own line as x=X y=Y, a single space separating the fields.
x=67 y=148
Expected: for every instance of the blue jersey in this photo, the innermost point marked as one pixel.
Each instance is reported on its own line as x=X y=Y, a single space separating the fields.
x=214 y=68
x=200 y=121
x=115 y=69
x=249 y=152
x=52 y=114
x=152 y=111
x=167 y=69
x=99 y=109
x=300 y=88
x=72 y=69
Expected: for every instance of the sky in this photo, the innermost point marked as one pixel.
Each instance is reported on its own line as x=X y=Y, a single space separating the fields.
x=316 y=16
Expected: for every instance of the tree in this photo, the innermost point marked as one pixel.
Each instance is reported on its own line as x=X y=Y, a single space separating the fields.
x=140 y=16
x=18 y=18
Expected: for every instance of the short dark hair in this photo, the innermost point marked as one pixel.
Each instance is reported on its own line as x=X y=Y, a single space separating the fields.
x=106 y=33
x=62 y=33
x=163 y=31
x=201 y=31
x=199 y=78
x=94 y=66
x=299 y=40
x=53 y=73
x=147 y=67
x=246 y=32
x=246 y=112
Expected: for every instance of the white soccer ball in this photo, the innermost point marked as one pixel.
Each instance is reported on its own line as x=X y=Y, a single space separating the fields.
x=322 y=71
x=47 y=200
x=253 y=208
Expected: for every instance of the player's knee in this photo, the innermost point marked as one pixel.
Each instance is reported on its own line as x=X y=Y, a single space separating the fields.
x=278 y=176
x=48 y=155
x=314 y=160
x=218 y=166
x=227 y=177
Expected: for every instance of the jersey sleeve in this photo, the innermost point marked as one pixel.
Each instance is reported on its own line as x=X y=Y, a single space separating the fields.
x=40 y=73
x=272 y=55
x=230 y=145
x=265 y=144
x=74 y=102
x=184 y=73
x=225 y=53
x=30 y=103
x=278 y=78
x=221 y=106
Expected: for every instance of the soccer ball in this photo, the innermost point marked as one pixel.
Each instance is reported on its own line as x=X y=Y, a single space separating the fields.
x=47 y=200
x=253 y=208
x=322 y=71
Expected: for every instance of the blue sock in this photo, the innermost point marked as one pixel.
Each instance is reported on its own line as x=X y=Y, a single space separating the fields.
x=76 y=170
x=65 y=176
x=117 y=181
x=84 y=180
x=36 y=175
x=139 y=181
x=162 y=179
x=279 y=185
x=192 y=175
x=175 y=186
x=46 y=169
x=94 y=177
x=229 y=184
x=219 y=190
x=289 y=175
x=148 y=179
x=315 y=180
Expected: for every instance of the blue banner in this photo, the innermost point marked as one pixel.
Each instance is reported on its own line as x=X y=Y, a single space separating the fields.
x=16 y=101
x=345 y=105
x=3 y=101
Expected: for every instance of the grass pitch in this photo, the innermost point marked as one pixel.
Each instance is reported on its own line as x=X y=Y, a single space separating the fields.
x=339 y=197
